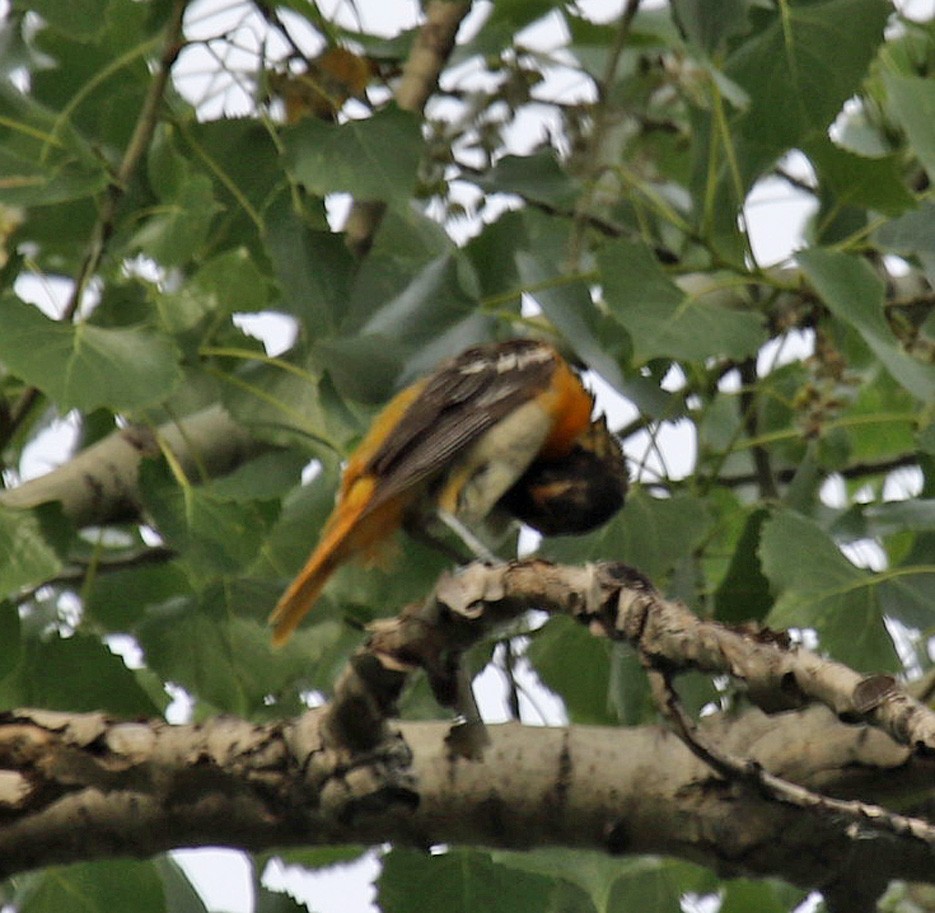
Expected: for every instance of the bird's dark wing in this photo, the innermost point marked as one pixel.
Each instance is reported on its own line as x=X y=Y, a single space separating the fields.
x=463 y=399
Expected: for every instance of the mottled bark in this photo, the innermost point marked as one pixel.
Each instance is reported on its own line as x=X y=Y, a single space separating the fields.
x=85 y=787
x=100 y=484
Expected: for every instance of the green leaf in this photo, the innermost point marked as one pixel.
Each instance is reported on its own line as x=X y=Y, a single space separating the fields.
x=558 y=652
x=83 y=366
x=117 y=601
x=282 y=405
x=407 y=242
x=224 y=284
x=28 y=181
x=218 y=648
x=492 y=253
x=25 y=556
x=15 y=50
x=744 y=594
x=215 y=535
x=77 y=674
x=856 y=180
x=629 y=695
x=231 y=282
x=42 y=160
x=644 y=884
x=568 y=305
x=180 y=226
x=9 y=637
x=268 y=901
x=741 y=896
x=246 y=167
x=907 y=591
x=506 y=18
x=912 y=102
x=662 y=319
x=321 y=857
x=709 y=24
x=459 y=881
x=651 y=534
x=93 y=887
x=268 y=476
x=519 y=13
x=439 y=298
x=654 y=884
x=855 y=294
x=82 y=19
x=818 y=54
x=364 y=368
x=296 y=531
x=372 y=159
x=383 y=590
x=594 y=873
x=882 y=417
x=180 y=893
x=313 y=269
x=198 y=315
x=911 y=233
x=894 y=517
x=536 y=178
x=817 y=587
x=185 y=644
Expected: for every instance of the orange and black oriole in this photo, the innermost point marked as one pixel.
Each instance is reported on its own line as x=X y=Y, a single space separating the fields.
x=506 y=426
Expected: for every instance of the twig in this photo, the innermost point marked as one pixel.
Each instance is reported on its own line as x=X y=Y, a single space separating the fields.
x=854 y=471
x=601 y=121
x=795 y=182
x=748 y=410
x=509 y=671
x=859 y=815
x=272 y=18
x=157 y=555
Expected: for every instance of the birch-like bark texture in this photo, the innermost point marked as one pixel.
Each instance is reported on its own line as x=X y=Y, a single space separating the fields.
x=101 y=484
x=616 y=601
x=78 y=787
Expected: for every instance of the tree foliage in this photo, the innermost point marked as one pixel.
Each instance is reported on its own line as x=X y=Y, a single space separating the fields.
x=168 y=170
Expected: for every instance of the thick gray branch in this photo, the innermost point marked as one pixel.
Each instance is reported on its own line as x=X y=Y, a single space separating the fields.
x=84 y=787
x=99 y=484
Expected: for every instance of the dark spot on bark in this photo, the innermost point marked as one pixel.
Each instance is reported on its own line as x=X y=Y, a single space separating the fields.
x=616 y=837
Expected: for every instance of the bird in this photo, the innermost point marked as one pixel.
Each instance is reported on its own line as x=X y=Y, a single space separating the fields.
x=507 y=421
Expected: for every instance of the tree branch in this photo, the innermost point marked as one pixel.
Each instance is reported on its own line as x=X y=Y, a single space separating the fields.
x=854 y=471
x=751 y=773
x=100 y=485
x=429 y=53
x=347 y=773
x=749 y=416
x=147 y=787
x=617 y=602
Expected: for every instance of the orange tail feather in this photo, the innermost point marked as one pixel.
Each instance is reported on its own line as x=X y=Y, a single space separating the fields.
x=302 y=594
x=353 y=530
x=336 y=546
